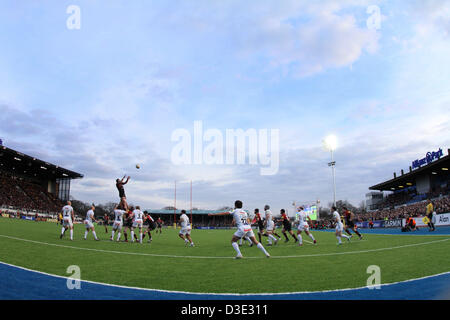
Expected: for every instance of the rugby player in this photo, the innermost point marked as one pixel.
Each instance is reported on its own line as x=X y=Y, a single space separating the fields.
x=68 y=217
x=159 y=223
x=128 y=221
x=260 y=224
x=303 y=225
x=339 y=226
x=106 y=221
x=138 y=222
x=89 y=223
x=123 y=198
x=287 y=226
x=150 y=223
x=244 y=228
x=118 y=222
x=350 y=223
x=270 y=225
x=185 y=232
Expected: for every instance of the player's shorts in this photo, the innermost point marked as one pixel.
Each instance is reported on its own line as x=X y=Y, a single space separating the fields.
x=159 y=225
x=303 y=227
x=88 y=224
x=67 y=223
x=185 y=230
x=117 y=225
x=260 y=226
x=244 y=231
x=287 y=226
x=122 y=194
x=138 y=223
x=270 y=226
x=350 y=224
x=151 y=225
x=339 y=227
x=128 y=223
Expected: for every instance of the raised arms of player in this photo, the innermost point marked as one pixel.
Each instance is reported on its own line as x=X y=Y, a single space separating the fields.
x=128 y=179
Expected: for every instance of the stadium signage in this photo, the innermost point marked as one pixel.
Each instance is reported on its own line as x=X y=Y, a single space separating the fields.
x=393 y=223
x=430 y=157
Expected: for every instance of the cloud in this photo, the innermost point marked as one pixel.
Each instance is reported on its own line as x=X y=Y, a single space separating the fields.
x=306 y=39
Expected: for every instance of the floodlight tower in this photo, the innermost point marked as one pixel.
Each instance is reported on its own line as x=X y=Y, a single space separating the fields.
x=330 y=144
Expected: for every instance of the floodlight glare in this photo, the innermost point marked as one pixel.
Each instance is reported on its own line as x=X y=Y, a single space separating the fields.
x=331 y=142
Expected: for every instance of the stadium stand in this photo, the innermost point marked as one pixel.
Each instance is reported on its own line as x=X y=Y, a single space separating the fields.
x=30 y=184
x=441 y=205
x=20 y=194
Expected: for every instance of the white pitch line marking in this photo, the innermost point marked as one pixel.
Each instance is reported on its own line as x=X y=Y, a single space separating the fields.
x=209 y=257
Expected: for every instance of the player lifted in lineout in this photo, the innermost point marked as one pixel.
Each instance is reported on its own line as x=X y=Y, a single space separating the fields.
x=303 y=225
x=68 y=217
x=89 y=223
x=185 y=232
x=244 y=228
x=123 y=198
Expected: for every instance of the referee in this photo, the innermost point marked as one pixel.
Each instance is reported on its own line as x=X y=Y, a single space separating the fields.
x=429 y=214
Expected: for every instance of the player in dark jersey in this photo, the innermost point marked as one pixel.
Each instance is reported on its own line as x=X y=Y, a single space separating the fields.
x=350 y=223
x=150 y=223
x=159 y=224
x=287 y=226
x=127 y=222
x=106 y=221
x=123 y=198
x=260 y=224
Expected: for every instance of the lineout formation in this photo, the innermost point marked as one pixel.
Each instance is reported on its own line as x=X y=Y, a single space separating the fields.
x=130 y=218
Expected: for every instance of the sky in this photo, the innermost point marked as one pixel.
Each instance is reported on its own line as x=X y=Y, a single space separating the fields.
x=103 y=88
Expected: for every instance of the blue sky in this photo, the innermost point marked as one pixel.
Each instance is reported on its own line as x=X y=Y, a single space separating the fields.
x=100 y=99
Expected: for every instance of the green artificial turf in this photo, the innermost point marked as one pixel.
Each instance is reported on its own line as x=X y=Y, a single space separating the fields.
x=209 y=267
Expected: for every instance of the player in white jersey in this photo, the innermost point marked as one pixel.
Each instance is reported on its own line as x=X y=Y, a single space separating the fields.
x=68 y=217
x=303 y=225
x=185 y=232
x=244 y=228
x=118 y=223
x=89 y=223
x=339 y=225
x=138 y=222
x=270 y=225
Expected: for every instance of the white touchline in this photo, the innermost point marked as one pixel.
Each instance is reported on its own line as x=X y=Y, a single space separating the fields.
x=225 y=294
x=209 y=257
